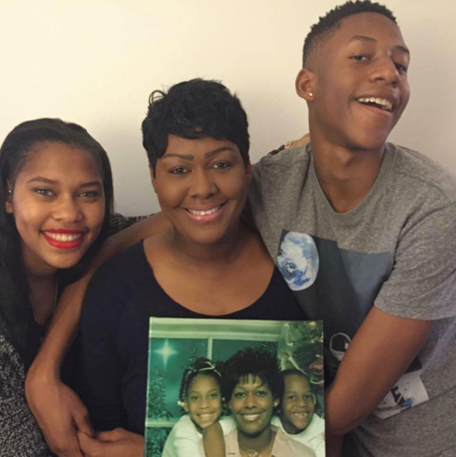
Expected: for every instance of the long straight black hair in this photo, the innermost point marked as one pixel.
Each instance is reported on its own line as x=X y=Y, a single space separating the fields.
x=15 y=306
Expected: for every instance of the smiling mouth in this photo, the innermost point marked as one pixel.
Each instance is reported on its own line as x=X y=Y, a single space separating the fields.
x=64 y=240
x=376 y=102
x=251 y=417
x=300 y=415
x=207 y=214
x=63 y=236
x=202 y=213
x=206 y=417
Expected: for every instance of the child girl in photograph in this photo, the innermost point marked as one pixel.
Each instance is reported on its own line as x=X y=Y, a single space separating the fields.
x=201 y=398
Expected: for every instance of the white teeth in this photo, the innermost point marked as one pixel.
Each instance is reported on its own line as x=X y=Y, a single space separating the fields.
x=203 y=213
x=385 y=104
x=251 y=417
x=63 y=237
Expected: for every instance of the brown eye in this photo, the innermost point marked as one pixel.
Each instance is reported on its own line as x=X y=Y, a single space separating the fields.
x=178 y=171
x=360 y=57
x=44 y=192
x=90 y=194
x=401 y=68
x=221 y=165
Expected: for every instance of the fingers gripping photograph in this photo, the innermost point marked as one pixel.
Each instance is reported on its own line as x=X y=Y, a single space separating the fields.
x=295 y=250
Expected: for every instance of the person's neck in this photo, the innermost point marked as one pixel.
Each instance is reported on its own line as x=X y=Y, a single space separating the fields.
x=43 y=296
x=224 y=252
x=42 y=282
x=345 y=175
x=261 y=444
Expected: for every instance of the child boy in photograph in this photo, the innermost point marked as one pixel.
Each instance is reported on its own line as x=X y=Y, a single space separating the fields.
x=297 y=416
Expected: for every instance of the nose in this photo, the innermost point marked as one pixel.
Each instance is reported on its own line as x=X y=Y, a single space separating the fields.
x=67 y=210
x=385 y=70
x=203 y=404
x=251 y=401
x=202 y=184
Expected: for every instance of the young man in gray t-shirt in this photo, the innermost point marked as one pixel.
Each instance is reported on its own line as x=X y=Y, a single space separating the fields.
x=364 y=233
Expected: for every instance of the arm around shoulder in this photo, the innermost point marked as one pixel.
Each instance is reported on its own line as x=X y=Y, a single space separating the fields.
x=55 y=406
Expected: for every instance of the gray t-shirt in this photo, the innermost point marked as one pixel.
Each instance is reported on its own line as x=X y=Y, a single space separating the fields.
x=395 y=251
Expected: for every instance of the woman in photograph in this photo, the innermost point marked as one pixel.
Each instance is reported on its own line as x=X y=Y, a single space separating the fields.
x=56 y=194
x=207 y=263
x=252 y=387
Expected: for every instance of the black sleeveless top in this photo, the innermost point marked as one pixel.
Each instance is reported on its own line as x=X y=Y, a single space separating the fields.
x=114 y=334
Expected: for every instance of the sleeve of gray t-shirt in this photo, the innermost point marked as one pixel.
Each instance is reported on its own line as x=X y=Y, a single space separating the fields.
x=422 y=284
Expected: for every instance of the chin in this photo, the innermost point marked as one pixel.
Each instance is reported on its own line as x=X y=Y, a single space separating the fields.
x=207 y=238
x=64 y=264
x=367 y=142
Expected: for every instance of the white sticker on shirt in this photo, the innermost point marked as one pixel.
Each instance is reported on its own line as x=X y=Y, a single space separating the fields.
x=298 y=260
x=409 y=391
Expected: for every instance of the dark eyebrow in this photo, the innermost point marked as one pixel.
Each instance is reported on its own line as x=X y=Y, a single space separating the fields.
x=181 y=156
x=91 y=184
x=373 y=40
x=362 y=38
x=403 y=49
x=216 y=151
x=41 y=179
x=207 y=155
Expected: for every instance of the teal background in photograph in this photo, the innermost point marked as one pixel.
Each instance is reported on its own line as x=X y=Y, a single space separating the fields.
x=182 y=351
x=224 y=349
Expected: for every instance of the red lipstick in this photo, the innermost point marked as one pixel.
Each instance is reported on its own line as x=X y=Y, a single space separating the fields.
x=64 y=238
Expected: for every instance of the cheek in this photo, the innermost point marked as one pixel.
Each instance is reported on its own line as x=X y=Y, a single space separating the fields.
x=236 y=187
x=191 y=409
x=217 y=405
x=28 y=216
x=94 y=215
x=170 y=196
x=286 y=408
x=234 y=405
x=405 y=95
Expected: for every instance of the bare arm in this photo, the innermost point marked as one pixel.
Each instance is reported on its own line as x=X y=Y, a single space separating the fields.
x=333 y=446
x=58 y=411
x=381 y=351
x=213 y=441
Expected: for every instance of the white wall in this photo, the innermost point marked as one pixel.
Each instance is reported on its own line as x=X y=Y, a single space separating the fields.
x=96 y=65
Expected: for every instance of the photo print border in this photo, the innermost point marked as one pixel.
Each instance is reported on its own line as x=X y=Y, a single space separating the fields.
x=175 y=344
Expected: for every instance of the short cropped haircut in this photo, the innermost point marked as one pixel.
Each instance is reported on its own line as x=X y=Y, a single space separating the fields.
x=329 y=23
x=256 y=362
x=194 y=109
x=293 y=371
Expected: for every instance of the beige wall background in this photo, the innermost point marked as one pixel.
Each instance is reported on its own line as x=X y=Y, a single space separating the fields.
x=96 y=62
